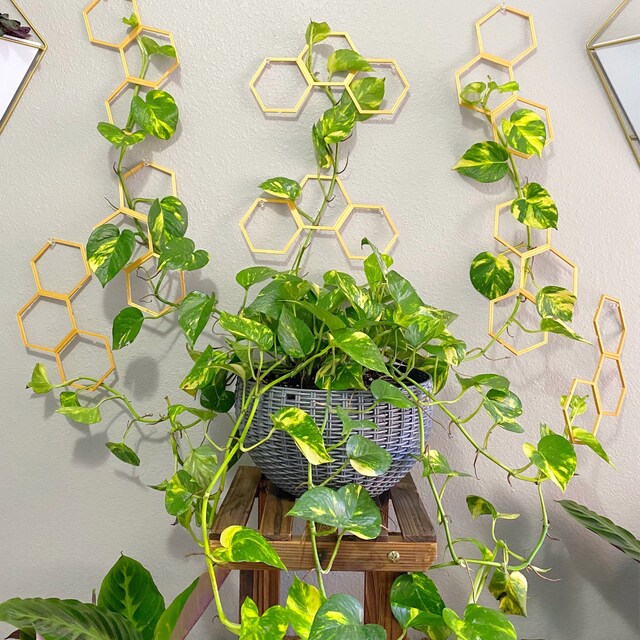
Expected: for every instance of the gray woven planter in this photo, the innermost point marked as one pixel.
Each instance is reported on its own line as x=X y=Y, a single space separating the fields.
x=281 y=461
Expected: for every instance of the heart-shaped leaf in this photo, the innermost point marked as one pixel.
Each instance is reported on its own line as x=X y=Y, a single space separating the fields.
x=488 y=380
x=555 y=302
x=435 y=463
x=180 y=254
x=346 y=60
x=305 y=433
x=179 y=493
x=294 y=335
x=39 y=382
x=582 y=436
x=157 y=115
x=194 y=313
x=555 y=457
x=368 y=93
x=316 y=32
x=557 y=326
x=535 y=208
x=247 y=329
x=168 y=218
x=282 y=188
x=504 y=407
x=479 y=623
x=303 y=602
x=472 y=93
x=340 y=618
x=241 y=544
x=119 y=137
x=491 y=275
x=154 y=48
x=484 y=162
x=367 y=457
x=361 y=348
x=510 y=589
x=336 y=124
x=203 y=371
x=124 y=453
x=271 y=625
x=525 y=131
x=201 y=464
x=384 y=391
x=109 y=250
x=81 y=415
x=246 y=278
x=126 y=327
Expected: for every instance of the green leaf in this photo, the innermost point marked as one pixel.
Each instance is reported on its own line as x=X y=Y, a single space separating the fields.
x=323 y=154
x=609 y=531
x=555 y=457
x=344 y=376
x=294 y=335
x=349 y=424
x=248 y=329
x=169 y=619
x=435 y=463
x=179 y=254
x=124 y=453
x=336 y=124
x=201 y=464
x=203 y=371
x=557 y=326
x=272 y=625
x=361 y=348
x=525 y=131
x=504 y=407
x=126 y=327
x=39 y=382
x=536 y=208
x=450 y=349
x=492 y=276
x=367 y=457
x=332 y=321
x=349 y=508
x=303 y=602
x=81 y=415
x=484 y=162
x=241 y=544
x=403 y=293
x=480 y=507
x=69 y=399
x=346 y=60
x=510 y=589
x=168 y=218
x=157 y=115
x=577 y=406
x=417 y=604
x=129 y=589
x=340 y=618
x=194 y=313
x=488 y=380
x=305 y=433
x=479 y=623
x=582 y=436
x=316 y=32
x=179 y=492
x=368 y=93
x=118 y=137
x=253 y=275
x=508 y=87
x=384 y=391
x=175 y=410
x=376 y=266
x=69 y=619
x=472 y=93
x=109 y=250
x=217 y=398
x=555 y=302
x=132 y=20
x=282 y=188
x=154 y=48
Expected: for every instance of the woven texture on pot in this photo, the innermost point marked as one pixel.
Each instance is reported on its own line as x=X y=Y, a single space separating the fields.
x=282 y=462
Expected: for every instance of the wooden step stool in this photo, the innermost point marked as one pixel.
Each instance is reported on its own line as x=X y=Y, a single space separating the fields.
x=413 y=548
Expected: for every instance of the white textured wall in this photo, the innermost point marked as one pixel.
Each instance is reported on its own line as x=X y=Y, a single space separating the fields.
x=69 y=508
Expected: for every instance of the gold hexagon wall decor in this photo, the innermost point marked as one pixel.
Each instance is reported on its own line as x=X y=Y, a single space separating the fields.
x=519 y=250
x=145 y=82
x=351 y=211
x=104 y=43
x=393 y=65
x=266 y=64
x=23 y=333
x=593 y=428
x=498 y=336
x=327 y=83
x=614 y=302
x=115 y=95
x=60 y=295
x=614 y=411
x=530 y=104
x=152 y=166
x=79 y=333
x=560 y=256
x=485 y=57
x=133 y=215
x=503 y=9
x=260 y=202
x=319 y=178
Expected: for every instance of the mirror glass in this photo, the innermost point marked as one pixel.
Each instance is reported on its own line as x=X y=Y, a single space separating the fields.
x=16 y=59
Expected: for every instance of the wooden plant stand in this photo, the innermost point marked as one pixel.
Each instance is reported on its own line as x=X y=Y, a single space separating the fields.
x=413 y=548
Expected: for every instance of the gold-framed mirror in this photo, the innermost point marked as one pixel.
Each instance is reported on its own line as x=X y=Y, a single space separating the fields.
x=614 y=50
x=19 y=59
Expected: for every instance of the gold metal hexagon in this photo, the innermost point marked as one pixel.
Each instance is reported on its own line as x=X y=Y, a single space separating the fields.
x=58 y=294
x=131 y=269
x=350 y=211
x=534 y=252
x=134 y=215
x=145 y=82
x=266 y=63
x=393 y=65
x=623 y=326
x=519 y=250
x=343 y=191
x=567 y=403
x=252 y=210
x=23 y=334
x=59 y=355
x=530 y=104
x=114 y=96
x=327 y=83
x=614 y=412
x=104 y=43
x=497 y=335
x=486 y=57
x=517 y=12
x=147 y=165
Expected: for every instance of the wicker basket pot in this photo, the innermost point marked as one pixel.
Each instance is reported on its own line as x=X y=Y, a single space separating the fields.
x=282 y=462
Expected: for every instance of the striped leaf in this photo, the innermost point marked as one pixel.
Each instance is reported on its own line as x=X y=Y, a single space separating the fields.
x=536 y=208
x=484 y=162
x=492 y=276
x=525 y=131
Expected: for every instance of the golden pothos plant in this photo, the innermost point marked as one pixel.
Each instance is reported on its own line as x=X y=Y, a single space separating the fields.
x=332 y=335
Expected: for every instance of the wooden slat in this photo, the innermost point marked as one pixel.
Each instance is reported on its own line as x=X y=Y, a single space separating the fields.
x=377 y=610
x=354 y=555
x=413 y=519
x=237 y=504
x=382 y=501
x=246 y=588
x=274 y=524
